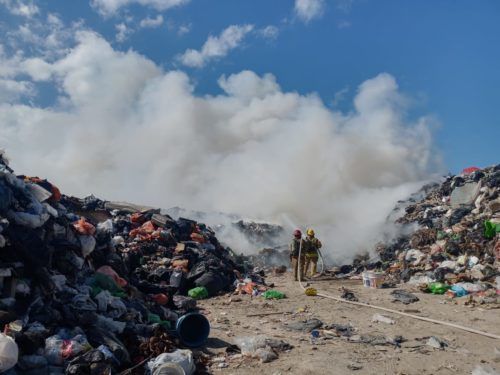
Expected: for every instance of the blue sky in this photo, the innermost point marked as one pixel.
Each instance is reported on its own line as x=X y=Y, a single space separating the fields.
x=445 y=55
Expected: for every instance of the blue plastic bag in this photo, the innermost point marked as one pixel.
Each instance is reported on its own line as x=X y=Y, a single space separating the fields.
x=459 y=291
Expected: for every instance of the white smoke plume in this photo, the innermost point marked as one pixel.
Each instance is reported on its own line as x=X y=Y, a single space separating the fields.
x=126 y=130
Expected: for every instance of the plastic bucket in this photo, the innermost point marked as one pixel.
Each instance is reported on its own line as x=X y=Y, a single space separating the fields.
x=376 y=279
x=366 y=279
x=193 y=329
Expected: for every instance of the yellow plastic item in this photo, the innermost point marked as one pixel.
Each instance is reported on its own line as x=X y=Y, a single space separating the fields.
x=311 y=292
x=310 y=232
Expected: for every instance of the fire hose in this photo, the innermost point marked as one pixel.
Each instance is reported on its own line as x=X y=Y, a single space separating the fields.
x=434 y=321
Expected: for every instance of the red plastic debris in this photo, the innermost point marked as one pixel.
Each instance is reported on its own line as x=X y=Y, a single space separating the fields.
x=470 y=170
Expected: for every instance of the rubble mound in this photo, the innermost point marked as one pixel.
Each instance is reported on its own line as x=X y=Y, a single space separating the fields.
x=450 y=241
x=96 y=287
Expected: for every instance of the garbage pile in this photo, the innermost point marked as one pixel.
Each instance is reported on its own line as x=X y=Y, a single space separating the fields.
x=95 y=287
x=450 y=242
x=261 y=233
x=272 y=259
x=246 y=235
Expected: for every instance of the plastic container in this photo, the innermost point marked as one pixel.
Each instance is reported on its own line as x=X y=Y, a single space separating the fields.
x=193 y=329
x=366 y=279
x=372 y=279
x=376 y=279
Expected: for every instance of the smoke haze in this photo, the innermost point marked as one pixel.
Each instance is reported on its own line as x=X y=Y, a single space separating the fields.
x=124 y=129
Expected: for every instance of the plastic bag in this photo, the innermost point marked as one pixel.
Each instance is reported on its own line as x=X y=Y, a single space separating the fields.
x=484 y=370
x=105 y=226
x=437 y=288
x=155 y=319
x=102 y=282
x=110 y=324
x=491 y=229
x=39 y=192
x=250 y=344
x=419 y=279
x=471 y=287
x=87 y=244
x=58 y=349
x=83 y=227
x=382 y=319
x=114 y=305
x=9 y=352
x=273 y=294
x=184 y=303
x=199 y=292
x=83 y=302
x=107 y=270
x=459 y=291
x=28 y=220
x=181 y=358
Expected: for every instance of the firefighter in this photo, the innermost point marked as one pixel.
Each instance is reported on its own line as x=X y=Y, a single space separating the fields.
x=312 y=246
x=295 y=247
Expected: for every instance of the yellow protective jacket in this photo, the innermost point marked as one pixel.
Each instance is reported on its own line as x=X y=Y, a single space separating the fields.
x=312 y=245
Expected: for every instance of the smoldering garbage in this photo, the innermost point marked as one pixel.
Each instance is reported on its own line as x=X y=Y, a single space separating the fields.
x=450 y=239
x=96 y=287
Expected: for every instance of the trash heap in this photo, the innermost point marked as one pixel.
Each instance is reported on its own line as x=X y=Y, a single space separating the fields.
x=95 y=287
x=261 y=233
x=450 y=242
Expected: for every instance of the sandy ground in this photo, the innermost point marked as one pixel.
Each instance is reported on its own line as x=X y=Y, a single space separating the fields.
x=229 y=319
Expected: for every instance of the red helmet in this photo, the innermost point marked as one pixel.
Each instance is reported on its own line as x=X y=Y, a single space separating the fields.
x=297 y=233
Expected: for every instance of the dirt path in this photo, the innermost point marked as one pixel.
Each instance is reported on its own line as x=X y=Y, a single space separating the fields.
x=229 y=319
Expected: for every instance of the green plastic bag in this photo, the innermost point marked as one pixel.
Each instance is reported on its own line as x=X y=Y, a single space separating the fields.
x=491 y=229
x=273 y=294
x=441 y=235
x=199 y=292
x=438 y=288
x=102 y=282
x=153 y=318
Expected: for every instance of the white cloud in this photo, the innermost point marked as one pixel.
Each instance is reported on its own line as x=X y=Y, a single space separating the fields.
x=9 y=65
x=269 y=32
x=248 y=85
x=216 y=46
x=340 y=96
x=180 y=29
x=184 y=29
x=344 y=5
x=122 y=32
x=337 y=172
x=151 y=22
x=37 y=68
x=111 y=7
x=343 y=24
x=12 y=90
x=21 y=8
x=48 y=37
x=307 y=10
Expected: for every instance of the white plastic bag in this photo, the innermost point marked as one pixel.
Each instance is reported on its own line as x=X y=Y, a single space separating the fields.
x=60 y=347
x=9 y=352
x=88 y=244
x=181 y=357
x=484 y=370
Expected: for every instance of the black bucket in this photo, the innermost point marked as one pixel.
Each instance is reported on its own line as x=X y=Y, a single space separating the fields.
x=193 y=329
